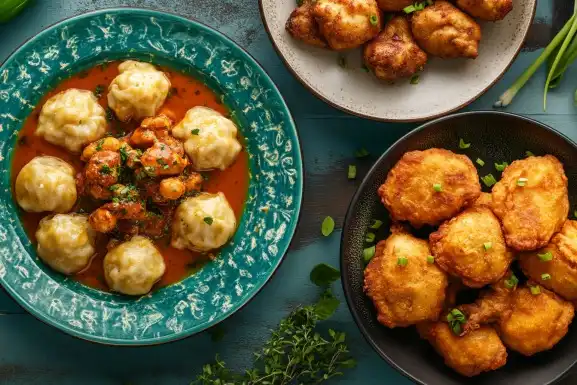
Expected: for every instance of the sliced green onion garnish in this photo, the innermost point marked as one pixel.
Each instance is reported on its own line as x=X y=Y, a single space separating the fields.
x=512 y=282
x=521 y=182
x=415 y=79
x=430 y=259
x=545 y=277
x=437 y=187
x=575 y=213
x=370 y=237
x=535 y=290
x=487 y=246
x=374 y=19
x=362 y=153
x=409 y=9
x=376 y=224
x=529 y=153
x=352 y=173
x=463 y=145
x=480 y=162
x=489 y=180
x=368 y=253
x=501 y=167
x=545 y=257
x=208 y=220
x=402 y=261
x=327 y=226
x=456 y=318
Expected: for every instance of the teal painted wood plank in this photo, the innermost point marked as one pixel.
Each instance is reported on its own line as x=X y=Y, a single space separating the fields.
x=35 y=353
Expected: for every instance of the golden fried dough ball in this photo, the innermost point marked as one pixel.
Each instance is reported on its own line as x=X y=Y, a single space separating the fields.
x=404 y=286
x=555 y=265
x=531 y=200
x=472 y=354
x=471 y=246
x=443 y=30
x=393 y=54
x=347 y=24
x=485 y=199
x=427 y=187
x=302 y=25
x=537 y=321
x=490 y=10
x=394 y=5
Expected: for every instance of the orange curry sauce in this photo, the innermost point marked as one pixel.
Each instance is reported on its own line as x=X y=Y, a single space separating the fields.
x=186 y=93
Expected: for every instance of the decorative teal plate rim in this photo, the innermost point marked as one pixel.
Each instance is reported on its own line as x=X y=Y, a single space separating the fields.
x=287 y=234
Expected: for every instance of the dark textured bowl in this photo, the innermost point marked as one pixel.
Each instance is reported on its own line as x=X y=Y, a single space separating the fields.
x=494 y=137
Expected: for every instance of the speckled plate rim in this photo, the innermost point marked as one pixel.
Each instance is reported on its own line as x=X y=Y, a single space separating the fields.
x=289 y=234
x=378 y=119
x=351 y=212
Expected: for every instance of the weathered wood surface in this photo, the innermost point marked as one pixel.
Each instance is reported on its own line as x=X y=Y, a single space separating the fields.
x=34 y=353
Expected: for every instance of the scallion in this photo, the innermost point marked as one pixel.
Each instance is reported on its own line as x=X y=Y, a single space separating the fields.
x=352 y=173
x=463 y=145
x=368 y=253
x=501 y=167
x=402 y=261
x=480 y=162
x=415 y=79
x=529 y=153
x=376 y=224
x=374 y=19
x=545 y=257
x=370 y=237
x=522 y=182
x=327 y=226
x=438 y=187
x=489 y=180
x=545 y=277
x=430 y=259
x=512 y=282
x=487 y=246
x=535 y=290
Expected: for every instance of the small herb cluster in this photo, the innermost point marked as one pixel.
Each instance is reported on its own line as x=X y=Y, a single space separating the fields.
x=296 y=353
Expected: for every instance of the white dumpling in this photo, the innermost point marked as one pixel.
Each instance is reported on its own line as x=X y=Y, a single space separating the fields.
x=203 y=223
x=133 y=267
x=72 y=119
x=66 y=242
x=138 y=91
x=46 y=183
x=209 y=138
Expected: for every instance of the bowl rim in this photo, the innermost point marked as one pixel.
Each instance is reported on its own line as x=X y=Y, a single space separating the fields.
x=299 y=193
x=345 y=282
x=391 y=120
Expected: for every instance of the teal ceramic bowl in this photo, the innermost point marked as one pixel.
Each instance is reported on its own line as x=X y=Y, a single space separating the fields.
x=243 y=267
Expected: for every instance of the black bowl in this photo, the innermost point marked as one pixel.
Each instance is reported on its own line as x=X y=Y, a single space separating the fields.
x=494 y=137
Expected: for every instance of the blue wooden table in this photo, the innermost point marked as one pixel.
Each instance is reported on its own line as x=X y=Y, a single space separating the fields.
x=34 y=353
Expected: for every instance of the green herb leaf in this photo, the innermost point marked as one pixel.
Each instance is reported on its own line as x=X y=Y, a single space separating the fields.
x=352 y=172
x=362 y=153
x=415 y=79
x=512 y=282
x=480 y=162
x=326 y=306
x=327 y=226
x=501 y=167
x=376 y=224
x=489 y=180
x=456 y=318
x=109 y=114
x=368 y=254
x=529 y=153
x=195 y=131
x=409 y=9
x=463 y=145
x=535 y=290
x=323 y=274
x=545 y=257
x=105 y=169
x=208 y=220
x=98 y=91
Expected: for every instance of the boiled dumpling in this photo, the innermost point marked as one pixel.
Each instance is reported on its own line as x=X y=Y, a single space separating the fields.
x=203 y=223
x=138 y=91
x=133 y=267
x=210 y=138
x=46 y=183
x=72 y=119
x=66 y=242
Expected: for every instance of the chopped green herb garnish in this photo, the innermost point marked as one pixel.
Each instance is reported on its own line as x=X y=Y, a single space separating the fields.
x=362 y=153
x=512 y=282
x=430 y=259
x=374 y=19
x=529 y=153
x=323 y=274
x=376 y=224
x=327 y=226
x=370 y=237
x=438 y=187
x=99 y=145
x=545 y=277
x=195 y=131
x=98 y=91
x=352 y=172
x=535 y=290
x=105 y=169
x=487 y=246
x=463 y=145
x=208 y=220
x=489 y=180
x=415 y=79
x=123 y=154
x=369 y=253
x=480 y=162
x=402 y=261
x=522 y=182
x=409 y=9
x=456 y=318
x=545 y=257
x=109 y=114
x=501 y=167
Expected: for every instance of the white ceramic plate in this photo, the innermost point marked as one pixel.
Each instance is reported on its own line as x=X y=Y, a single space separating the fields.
x=444 y=86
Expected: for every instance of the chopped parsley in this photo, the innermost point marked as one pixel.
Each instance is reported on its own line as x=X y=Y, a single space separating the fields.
x=195 y=131
x=208 y=220
x=105 y=169
x=98 y=91
x=109 y=114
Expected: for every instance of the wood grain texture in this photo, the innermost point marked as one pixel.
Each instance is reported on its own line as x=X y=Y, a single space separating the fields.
x=35 y=353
